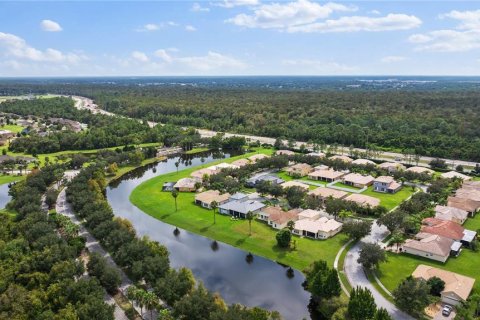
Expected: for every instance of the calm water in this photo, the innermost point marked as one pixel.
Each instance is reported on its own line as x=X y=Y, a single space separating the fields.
x=253 y=281
x=4 y=197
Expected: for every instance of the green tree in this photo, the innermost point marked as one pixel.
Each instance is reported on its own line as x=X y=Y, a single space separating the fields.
x=283 y=237
x=357 y=229
x=214 y=206
x=371 y=255
x=250 y=216
x=361 y=305
x=175 y=196
x=412 y=296
x=382 y=314
x=437 y=285
x=291 y=225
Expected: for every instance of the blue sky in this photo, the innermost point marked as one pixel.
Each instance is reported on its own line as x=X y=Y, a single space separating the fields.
x=239 y=37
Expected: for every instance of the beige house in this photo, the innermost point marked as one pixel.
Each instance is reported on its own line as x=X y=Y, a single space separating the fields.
x=363 y=162
x=357 y=180
x=292 y=183
x=473 y=185
x=199 y=174
x=430 y=246
x=392 y=167
x=457 y=287
x=223 y=165
x=386 y=184
x=451 y=214
x=299 y=169
x=205 y=199
x=341 y=158
x=186 y=185
x=468 y=194
x=323 y=193
x=326 y=175
x=364 y=201
x=257 y=157
x=454 y=174
x=284 y=153
x=265 y=213
x=241 y=162
x=280 y=219
x=420 y=170
x=309 y=214
x=468 y=205
x=322 y=228
x=316 y=154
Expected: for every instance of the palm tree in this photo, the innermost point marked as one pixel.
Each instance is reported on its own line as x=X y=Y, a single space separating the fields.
x=151 y=301
x=133 y=295
x=175 y=195
x=214 y=206
x=291 y=225
x=397 y=238
x=250 y=215
x=176 y=165
x=344 y=214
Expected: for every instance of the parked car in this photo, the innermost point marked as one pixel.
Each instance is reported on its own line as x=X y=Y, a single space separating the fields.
x=447 y=310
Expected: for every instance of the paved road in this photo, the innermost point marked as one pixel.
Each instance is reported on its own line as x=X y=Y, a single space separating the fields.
x=356 y=275
x=89 y=104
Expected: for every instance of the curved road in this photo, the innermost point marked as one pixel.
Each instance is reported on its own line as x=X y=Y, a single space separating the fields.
x=356 y=275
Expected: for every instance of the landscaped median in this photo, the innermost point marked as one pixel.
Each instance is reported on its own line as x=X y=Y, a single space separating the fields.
x=150 y=198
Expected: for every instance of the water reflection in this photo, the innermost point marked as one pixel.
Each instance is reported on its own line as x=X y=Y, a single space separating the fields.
x=239 y=277
x=4 y=197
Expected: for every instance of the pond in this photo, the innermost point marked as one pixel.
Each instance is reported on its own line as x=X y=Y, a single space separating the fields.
x=237 y=275
x=4 y=197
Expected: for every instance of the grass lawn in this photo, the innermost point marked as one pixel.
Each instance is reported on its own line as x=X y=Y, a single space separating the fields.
x=389 y=200
x=7 y=178
x=283 y=175
x=150 y=199
x=400 y=266
x=197 y=150
x=12 y=127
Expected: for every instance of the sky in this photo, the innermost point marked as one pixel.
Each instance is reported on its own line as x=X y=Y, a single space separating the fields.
x=239 y=37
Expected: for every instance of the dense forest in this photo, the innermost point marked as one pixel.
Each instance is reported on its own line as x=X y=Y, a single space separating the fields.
x=439 y=123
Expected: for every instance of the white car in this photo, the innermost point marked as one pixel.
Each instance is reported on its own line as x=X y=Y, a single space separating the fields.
x=447 y=310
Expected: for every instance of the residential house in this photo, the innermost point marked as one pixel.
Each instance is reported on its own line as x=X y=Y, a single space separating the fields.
x=257 y=157
x=421 y=170
x=280 y=218
x=326 y=175
x=206 y=198
x=475 y=185
x=316 y=154
x=186 y=185
x=240 y=208
x=357 y=180
x=310 y=214
x=341 y=158
x=386 y=184
x=324 y=193
x=6 y=135
x=451 y=214
x=219 y=167
x=448 y=229
x=292 y=183
x=363 y=162
x=241 y=162
x=299 y=169
x=364 y=201
x=322 y=228
x=430 y=246
x=392 y=167
x=284 y=153
x=265 y=213
x=468 y=205
x=454 y=174
x=199 y=174
x=457 y=287
x=252 y=182
x=470 y=194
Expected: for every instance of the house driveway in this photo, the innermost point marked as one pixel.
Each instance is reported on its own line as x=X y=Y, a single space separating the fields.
x=357 y=277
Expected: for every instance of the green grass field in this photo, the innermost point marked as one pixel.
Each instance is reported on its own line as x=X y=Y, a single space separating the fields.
x=197 y=150
x=7 y=178
x=150 y=199
x=12 y=127
x=389 y=200
x=399 y=266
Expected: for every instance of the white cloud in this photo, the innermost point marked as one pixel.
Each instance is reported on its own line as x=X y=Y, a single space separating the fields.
x=156 y=26
x=389 y=22
x=190 y=28
x=465 y=37
x=468 y=19
x=391 y=59
x=151 y=27
x=284 y=15
x=50 y=26
x=237 y=3
x=196 y=7
x=316 y=67
x=375 y=12
x=164 y=55
x=17 y=47
x=140 y=56
x=211 y=61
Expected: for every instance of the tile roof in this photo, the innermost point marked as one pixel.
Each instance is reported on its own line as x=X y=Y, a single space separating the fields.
x=433 y=243
x=363 y=200
x=320 y=225
x=454 y=282
x=356 y=178
x=443 y=228
x=281 y=217
x=464 y=204
x=420 y=170
x=212 y=195
x=341 y=158
x=292 y=183
x=391 y=165
x=324 y=192
x=363 y=162
x=327 y=174
x=449 y=213
x=454 y=174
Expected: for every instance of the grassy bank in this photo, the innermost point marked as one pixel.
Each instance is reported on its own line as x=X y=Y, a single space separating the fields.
x=197 y=150
x=150 y=199
x=7 y=178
